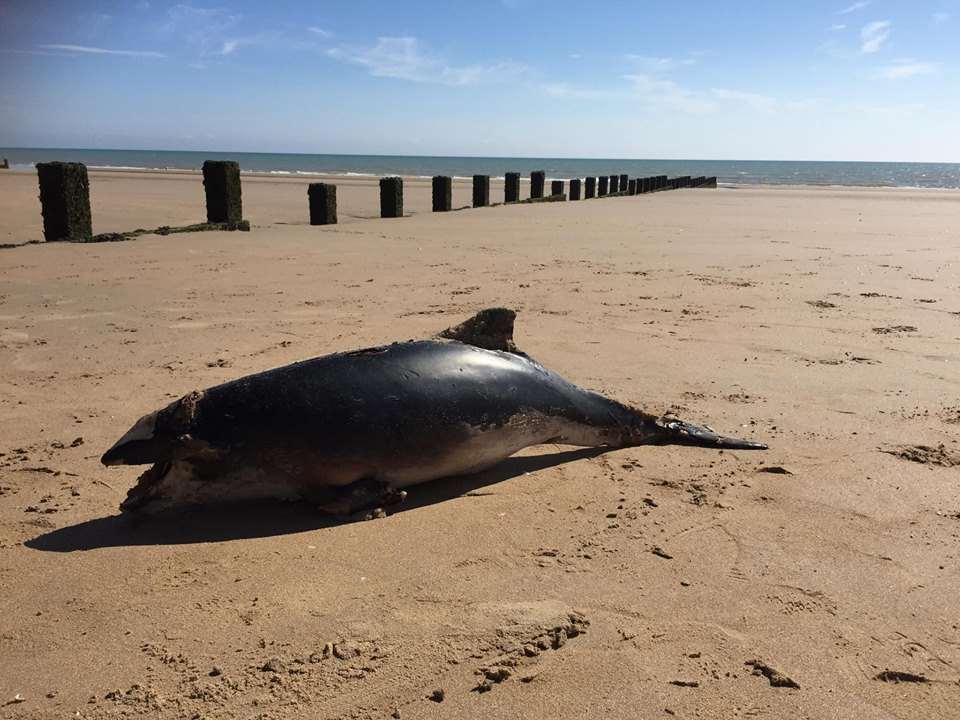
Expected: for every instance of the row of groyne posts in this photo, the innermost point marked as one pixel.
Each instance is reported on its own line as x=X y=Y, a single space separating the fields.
x=65 y=196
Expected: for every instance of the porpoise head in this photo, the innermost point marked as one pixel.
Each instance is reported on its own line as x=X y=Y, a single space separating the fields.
x=155 y=437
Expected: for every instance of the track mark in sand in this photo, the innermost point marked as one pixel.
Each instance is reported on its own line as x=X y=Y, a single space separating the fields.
x=892 y=329
x=533 y=629
x=793 y=600
x=898 y=676
x=926 y=454
x=774 y=676
x=821 y=304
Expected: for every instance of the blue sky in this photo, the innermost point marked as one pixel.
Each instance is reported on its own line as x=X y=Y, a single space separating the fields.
x=819 y=80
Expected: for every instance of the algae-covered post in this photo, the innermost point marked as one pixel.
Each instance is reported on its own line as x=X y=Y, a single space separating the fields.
x=65 y=201
x=537 y=179
x=632 y=186
x=391 y=197
x=221 y=184
x=575 y=189
x=711 y=182
x=604 y=186
x=481 y=190
x=590 y=190
x=556 y=187
x=323 y=203
x=511 y=187
x=442 y=193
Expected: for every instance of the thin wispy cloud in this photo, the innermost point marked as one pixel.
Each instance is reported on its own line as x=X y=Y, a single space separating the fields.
x=320 y=32
x=670 y=95
x=403 y=59
x=87 y=50
x=754 y=101
x=659 y=64
x=207 y=29
x=837 y=28
x=230 y=46
x=908 y=68
x=874 y=35
x=854 y=8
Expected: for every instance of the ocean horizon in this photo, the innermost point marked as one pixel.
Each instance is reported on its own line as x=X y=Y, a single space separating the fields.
x=732 y=172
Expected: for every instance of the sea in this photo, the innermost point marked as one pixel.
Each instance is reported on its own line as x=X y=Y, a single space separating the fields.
x=730 y=172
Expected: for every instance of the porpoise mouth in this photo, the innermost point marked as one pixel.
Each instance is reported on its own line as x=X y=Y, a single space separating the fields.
x=145 y=491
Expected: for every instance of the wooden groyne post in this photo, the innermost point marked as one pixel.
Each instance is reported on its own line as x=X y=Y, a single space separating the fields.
x=556 y=187
x=632 y=186
x=537 y=180
x=604 y=186
x=221 y=185
x=624 y=182
x=391 y=197
x=575 y=189
x=614 y=184
x=323 y=203
x=442 y=193
x=65 y=201
x=481 y=190
x=590 y=189
x=511 y=187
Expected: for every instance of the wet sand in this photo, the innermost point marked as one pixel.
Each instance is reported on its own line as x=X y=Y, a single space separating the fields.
x=632 y=583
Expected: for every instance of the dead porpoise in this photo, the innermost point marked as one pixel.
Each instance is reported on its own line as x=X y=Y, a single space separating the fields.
x=350 y=431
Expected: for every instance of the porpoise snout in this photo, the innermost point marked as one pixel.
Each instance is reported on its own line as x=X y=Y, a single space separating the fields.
x=139 y=446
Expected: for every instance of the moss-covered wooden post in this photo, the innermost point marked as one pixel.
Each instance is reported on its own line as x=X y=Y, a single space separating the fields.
x=65 y=201
x=511 y=187
x=604 y=186
x=221 y=184
x=556 y=187
x=537 y=180
x=442 y=193
x=481 y=190
x=632 y=186
x=391 y=197
x=575 y=189
x=323 y=203
x=590 y=190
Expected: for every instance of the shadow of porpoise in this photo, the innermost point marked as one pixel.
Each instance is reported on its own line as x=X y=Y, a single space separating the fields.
x=266 y=519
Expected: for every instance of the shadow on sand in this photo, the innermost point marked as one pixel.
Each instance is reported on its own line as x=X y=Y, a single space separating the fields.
x=265 y=519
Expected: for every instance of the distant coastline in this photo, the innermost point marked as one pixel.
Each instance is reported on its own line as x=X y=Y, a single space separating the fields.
x=731 y=172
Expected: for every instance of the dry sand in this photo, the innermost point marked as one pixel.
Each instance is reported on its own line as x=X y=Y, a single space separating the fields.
x=825 y=322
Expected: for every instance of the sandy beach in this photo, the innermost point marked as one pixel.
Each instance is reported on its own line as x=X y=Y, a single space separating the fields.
x=652 y=582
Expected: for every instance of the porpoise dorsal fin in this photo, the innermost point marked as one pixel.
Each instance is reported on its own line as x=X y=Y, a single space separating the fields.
x=491 y=329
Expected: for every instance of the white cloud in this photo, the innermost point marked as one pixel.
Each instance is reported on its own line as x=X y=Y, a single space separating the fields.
x=853 y=8
x=85 y=49
x=874 y=35
x=907 y=68
x=939 y=18
x=320 y=32
x=755 y=101
x=670 y=95
x=837 y=28
x=402 y=58
x=659 y=64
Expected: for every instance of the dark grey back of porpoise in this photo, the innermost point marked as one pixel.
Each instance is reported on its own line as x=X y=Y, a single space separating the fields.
x=396 y=396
